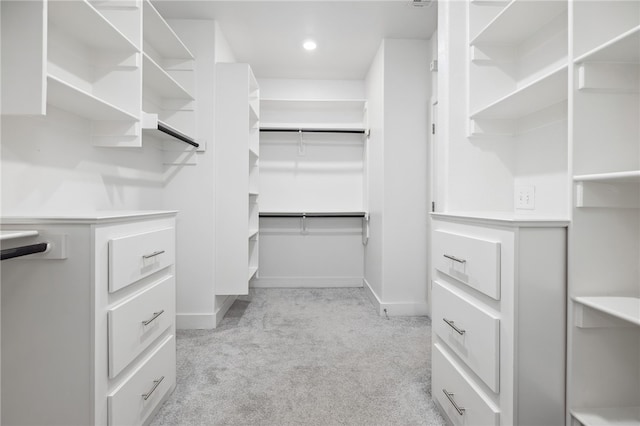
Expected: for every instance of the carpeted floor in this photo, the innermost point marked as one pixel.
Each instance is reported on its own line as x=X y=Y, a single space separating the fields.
x=304 y=357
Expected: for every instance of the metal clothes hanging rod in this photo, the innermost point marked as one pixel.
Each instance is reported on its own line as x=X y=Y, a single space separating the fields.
x=316 y=214
x=289 y=130
x=176 y=134
x=23 y=250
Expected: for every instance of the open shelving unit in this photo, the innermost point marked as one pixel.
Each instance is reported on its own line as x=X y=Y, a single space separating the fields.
x=168 y=78
x=237 y=178
x=517 y=88
x=81 y=45
x=86 y=58
x=604 y=286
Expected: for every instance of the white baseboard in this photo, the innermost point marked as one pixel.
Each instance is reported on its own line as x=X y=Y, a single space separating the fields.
x=398 y=309
x=195 y=321
x=306 y=282
x=373 y=297
x=220 y=313
x=204 y=321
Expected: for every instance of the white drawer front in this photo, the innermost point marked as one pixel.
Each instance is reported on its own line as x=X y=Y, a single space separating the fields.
x=473 y=334
x=475 y=408
x=152 y=379
x=136 y=256
x=137 y=322
x=473 y=261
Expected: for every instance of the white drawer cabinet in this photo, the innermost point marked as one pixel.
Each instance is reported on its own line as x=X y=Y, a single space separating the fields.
x=84 y=337
x=138 y=321
x=471 y=332
x=499 y=319
x=464 y=403
x=132 y=257
x=473 y=261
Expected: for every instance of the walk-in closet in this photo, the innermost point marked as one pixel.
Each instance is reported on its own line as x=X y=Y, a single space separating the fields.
x=420 y=212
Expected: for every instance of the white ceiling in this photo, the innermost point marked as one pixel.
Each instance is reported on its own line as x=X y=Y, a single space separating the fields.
x=269 y=34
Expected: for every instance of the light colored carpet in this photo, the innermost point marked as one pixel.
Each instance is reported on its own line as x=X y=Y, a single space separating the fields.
x=304 y=357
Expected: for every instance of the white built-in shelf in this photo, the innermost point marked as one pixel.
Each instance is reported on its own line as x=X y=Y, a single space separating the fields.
x=614 y=416
x=355 y=127
x=624 y=48
x=632 y=176
x=85 y=23
x=253 y=193
x=313 y=104
x=518 y=21
x=624 y=308
x=14 y=235
x=159 y=34
x=252 y=271
x=160 y=82
x=253 y=233
x=547 y=90
x=70 y=98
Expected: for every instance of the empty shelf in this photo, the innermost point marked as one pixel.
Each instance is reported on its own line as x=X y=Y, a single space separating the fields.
x=622 y=49
x=161 y=36
x=632 y=176
x=160 y=82
x=624 y=308
x=313 y=104
x=518 y=21
x=615 y=416
x=539 y=94
x=81 y=20
x=84 y=104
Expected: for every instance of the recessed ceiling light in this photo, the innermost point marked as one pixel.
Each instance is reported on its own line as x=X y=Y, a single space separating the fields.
x=309 y=45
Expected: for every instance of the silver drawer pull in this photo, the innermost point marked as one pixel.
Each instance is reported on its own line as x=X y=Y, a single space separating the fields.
x=460 y=410
x=156 y=383
x=455 y=259
x=154 y=254
x=155 y=315
x=452 y=325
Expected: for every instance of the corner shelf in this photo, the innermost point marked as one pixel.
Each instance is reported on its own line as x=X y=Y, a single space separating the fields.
x=518 y=21
x=614 y=416
x=548 y=90
x=70 y=98
x=623 y=308
x=84 y=22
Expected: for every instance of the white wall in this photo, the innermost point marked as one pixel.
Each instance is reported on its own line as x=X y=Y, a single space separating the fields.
x=189 y=189
x=399 y=167
x=50 y=165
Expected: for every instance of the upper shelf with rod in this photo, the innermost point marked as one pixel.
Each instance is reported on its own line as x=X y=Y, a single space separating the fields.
x=313 y=115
